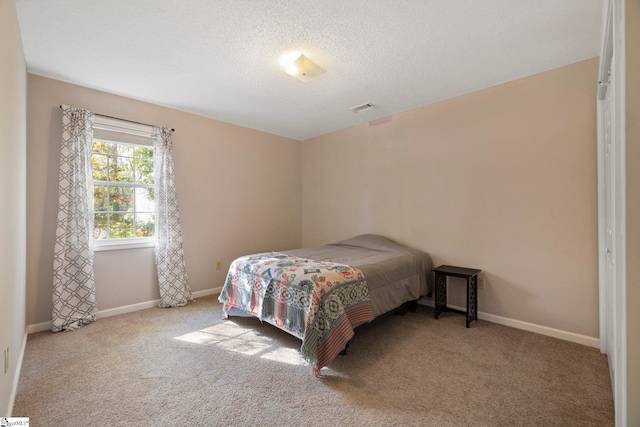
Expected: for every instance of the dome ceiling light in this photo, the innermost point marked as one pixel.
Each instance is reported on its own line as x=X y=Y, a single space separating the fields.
x=296 y=64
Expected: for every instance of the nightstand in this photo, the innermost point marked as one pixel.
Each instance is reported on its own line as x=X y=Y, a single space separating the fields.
x=471 y=274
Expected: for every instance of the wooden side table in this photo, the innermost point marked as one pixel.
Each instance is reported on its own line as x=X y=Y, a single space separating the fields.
x=471 y=274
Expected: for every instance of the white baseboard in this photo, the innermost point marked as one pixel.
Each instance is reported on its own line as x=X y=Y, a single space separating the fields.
x=45 y=326
x=526 y=326
x=519 y=324
x=16 y=377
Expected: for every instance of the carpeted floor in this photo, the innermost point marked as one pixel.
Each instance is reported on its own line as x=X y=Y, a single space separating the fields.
x=187 y=367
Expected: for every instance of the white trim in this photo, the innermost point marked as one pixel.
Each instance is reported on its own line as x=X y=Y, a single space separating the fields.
x=612 y=185
x=606 y=49
x=620 y=246
x=123 y=184
x=120 y=244
x=602 y=245
x=38 y=327
x=602 y=105
x=518 y=324
x=526 y=326
x=46 y=326
x=16 y=376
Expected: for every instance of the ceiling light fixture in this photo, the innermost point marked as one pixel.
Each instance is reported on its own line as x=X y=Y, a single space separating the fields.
x=301 y=67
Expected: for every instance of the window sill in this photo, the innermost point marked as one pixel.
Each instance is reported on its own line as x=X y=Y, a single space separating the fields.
x=115 y=245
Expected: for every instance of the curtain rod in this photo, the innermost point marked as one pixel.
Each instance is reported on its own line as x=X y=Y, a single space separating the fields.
x=124 y=120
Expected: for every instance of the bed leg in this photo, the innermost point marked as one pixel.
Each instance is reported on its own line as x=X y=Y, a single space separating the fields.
x=413 y=306
x=344 y=352
x=410 y=306
x=400 y=311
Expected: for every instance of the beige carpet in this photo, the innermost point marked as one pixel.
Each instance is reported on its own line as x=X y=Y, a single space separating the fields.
x=187 y=367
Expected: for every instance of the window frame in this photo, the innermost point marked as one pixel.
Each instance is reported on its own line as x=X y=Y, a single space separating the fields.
x=115 y=125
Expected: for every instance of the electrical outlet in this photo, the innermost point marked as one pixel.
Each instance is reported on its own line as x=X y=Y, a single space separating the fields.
x=6 y=359
x=218 y=265
x=480 y=282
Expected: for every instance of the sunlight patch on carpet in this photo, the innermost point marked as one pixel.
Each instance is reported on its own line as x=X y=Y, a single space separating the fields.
x=232 y=337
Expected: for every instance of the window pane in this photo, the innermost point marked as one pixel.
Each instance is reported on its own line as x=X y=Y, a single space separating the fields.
x=100 y=198
x=121 y=225
x=100 y=226
x=120 y=169
x=144 y=171
x=145 y=224
x=121 y=199
x=124 y=150
x=121 y=211
x=99 y=167
x=145 y=200
x=100 y=147
x=143 y=153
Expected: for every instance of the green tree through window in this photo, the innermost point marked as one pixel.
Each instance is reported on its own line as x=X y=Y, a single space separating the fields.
x=124 y=190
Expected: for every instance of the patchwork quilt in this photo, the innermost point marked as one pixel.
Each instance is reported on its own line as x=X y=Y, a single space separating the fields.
x=319 y=302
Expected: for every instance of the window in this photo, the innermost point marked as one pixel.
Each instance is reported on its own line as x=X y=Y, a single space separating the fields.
x=124 y=191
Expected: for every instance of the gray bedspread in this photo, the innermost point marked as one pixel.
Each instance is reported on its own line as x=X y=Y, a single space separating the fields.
x=395 y=273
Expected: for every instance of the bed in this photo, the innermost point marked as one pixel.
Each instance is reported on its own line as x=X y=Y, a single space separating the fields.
x=320 y=294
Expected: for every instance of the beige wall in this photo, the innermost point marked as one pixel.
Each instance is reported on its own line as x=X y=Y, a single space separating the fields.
x=13 y=165
x=503 y=180
x=632 y=57
x=238 y=190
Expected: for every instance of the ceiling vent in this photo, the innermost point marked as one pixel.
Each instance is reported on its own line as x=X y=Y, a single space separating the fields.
x=361 y=107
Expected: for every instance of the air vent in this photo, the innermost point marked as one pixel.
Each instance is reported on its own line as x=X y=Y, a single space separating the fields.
x=361 y=108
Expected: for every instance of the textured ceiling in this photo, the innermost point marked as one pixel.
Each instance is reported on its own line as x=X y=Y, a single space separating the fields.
x=219 y=59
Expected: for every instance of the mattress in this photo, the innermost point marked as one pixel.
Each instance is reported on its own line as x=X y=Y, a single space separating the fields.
x=395 y=273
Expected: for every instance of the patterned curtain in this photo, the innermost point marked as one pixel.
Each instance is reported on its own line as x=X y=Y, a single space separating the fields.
x=172 y=273
x=74 y=301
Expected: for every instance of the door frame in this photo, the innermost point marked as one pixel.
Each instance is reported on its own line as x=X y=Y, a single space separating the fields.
x=612 y=257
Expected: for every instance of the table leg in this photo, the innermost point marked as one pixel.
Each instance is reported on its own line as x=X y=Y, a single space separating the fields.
x=441 y=293
x=472 y=299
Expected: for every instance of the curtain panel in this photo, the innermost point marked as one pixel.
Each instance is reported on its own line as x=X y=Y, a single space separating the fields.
x=74 y=301
x=172 y=273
